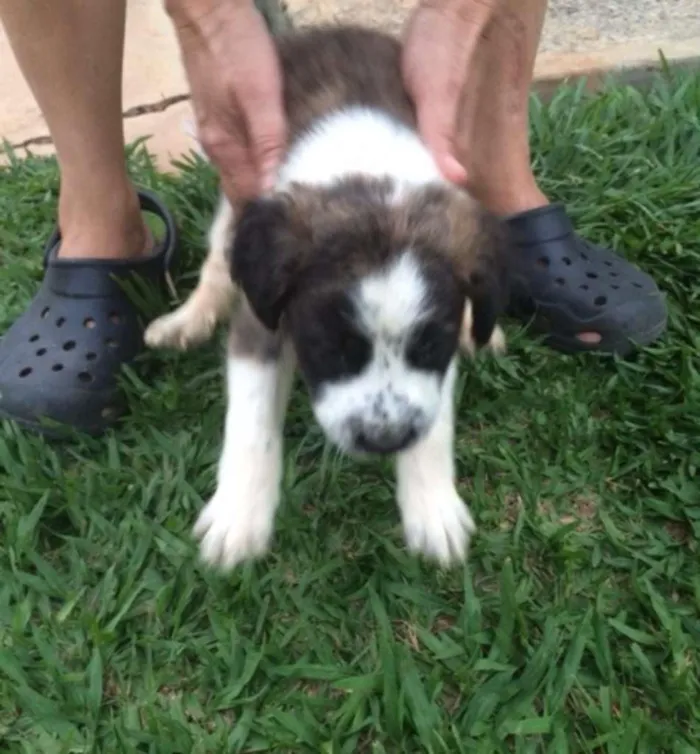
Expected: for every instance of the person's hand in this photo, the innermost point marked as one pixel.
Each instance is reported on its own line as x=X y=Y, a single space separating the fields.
x=236 y=85
x=440 y=42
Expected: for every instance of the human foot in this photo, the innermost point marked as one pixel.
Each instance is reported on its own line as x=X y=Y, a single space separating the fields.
x=61 y=359
x=582 y=297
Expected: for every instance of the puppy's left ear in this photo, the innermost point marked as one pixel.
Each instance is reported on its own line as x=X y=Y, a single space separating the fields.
x=484 y=270
x=266 y=256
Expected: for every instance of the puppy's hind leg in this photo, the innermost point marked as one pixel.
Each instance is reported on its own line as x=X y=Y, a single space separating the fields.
x=211 y=301
x=237 y=523
x=436 y=521
x=496 y=344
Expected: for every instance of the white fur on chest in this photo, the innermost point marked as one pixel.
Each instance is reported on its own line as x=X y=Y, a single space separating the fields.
x=358 y=140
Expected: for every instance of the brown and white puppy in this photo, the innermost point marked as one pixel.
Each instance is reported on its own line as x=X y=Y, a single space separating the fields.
x=362 y=268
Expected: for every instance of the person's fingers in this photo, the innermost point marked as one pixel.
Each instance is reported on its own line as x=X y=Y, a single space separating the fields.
x=267 y=135
x=234 y=160
x=436 y=123
x=441 y=40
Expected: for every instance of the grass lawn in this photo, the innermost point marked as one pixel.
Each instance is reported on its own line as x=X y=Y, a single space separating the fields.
x=575 y=626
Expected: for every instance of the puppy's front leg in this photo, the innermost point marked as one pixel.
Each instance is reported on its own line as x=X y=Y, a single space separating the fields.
x=237 y=523
x=436 y=521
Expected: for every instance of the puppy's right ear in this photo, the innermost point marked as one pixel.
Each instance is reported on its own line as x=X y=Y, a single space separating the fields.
x=266 y=256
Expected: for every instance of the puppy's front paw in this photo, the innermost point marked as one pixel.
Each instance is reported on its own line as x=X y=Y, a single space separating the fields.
x=437 y=524
x=187 y=326
x=234 y=526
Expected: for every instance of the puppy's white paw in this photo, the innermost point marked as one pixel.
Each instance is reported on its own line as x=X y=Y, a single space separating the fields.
x=437 y=524
x=235 y=525
x=187 y=326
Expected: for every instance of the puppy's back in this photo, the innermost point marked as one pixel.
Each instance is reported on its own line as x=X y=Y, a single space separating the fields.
x=326 y=69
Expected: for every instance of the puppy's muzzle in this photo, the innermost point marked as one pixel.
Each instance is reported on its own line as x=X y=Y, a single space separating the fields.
x=384 y=439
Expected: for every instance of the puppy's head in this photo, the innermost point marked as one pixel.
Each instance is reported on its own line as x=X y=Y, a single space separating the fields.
x=370 y=282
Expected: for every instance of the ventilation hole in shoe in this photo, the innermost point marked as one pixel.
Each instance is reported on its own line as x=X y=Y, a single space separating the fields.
x=560 y=281
x=615 y=287
x=41 y=352
x=90 y=356
x=614 y=274
x=34 y=339
x=543 y=261
x=69 y=345
x=584 y=257
x=566 y=261
x=600 y=301
x=90 y=323
x=583 y=287
x=608 y=263
x=637 y=285
x=60 y=322
x=111 y=343
x=25 y=372
x=591 y=275
x=57 y=367
x=85 y=377
x=108 y=413
x=45 y=312
x=115 y=318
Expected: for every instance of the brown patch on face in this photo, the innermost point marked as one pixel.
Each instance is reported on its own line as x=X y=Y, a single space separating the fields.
x=449 y=221
x=325 y=69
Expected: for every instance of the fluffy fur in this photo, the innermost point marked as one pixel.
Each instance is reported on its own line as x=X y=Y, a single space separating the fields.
x=367 y=271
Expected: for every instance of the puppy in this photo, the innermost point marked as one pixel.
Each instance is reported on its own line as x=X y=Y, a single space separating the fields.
x=363 y=268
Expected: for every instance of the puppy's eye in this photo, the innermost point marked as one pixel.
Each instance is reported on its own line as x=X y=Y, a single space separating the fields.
x=431 y=346
x=355 y=352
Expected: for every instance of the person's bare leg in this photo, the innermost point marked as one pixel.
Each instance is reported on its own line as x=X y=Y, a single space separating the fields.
x=61 y=359
x=493 y=136
x=71 y=54
x=494 y=133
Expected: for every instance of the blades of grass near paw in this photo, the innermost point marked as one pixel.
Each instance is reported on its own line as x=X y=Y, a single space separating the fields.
x=570 y=666
x=532 y=726
x=542 y=660
x=27 y=524
x=421 y=710
x=12 y=668
x=387 y=666
x=601 y=643
x=506 y=625
x=641 y=637
x=477 y=720
x=240 y=733
x=251 y=664
x=94 y=684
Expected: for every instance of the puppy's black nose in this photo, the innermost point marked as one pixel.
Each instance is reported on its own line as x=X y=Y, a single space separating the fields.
x=385 y=440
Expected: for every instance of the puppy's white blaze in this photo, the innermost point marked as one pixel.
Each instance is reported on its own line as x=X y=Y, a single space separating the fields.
x=392 y=300
x=358 y=140
x=389 y=304
x=436 y=521
x=237 y=522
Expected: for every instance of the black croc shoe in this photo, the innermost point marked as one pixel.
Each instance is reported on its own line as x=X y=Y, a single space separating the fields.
x=564 y=286
x=60 y=361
